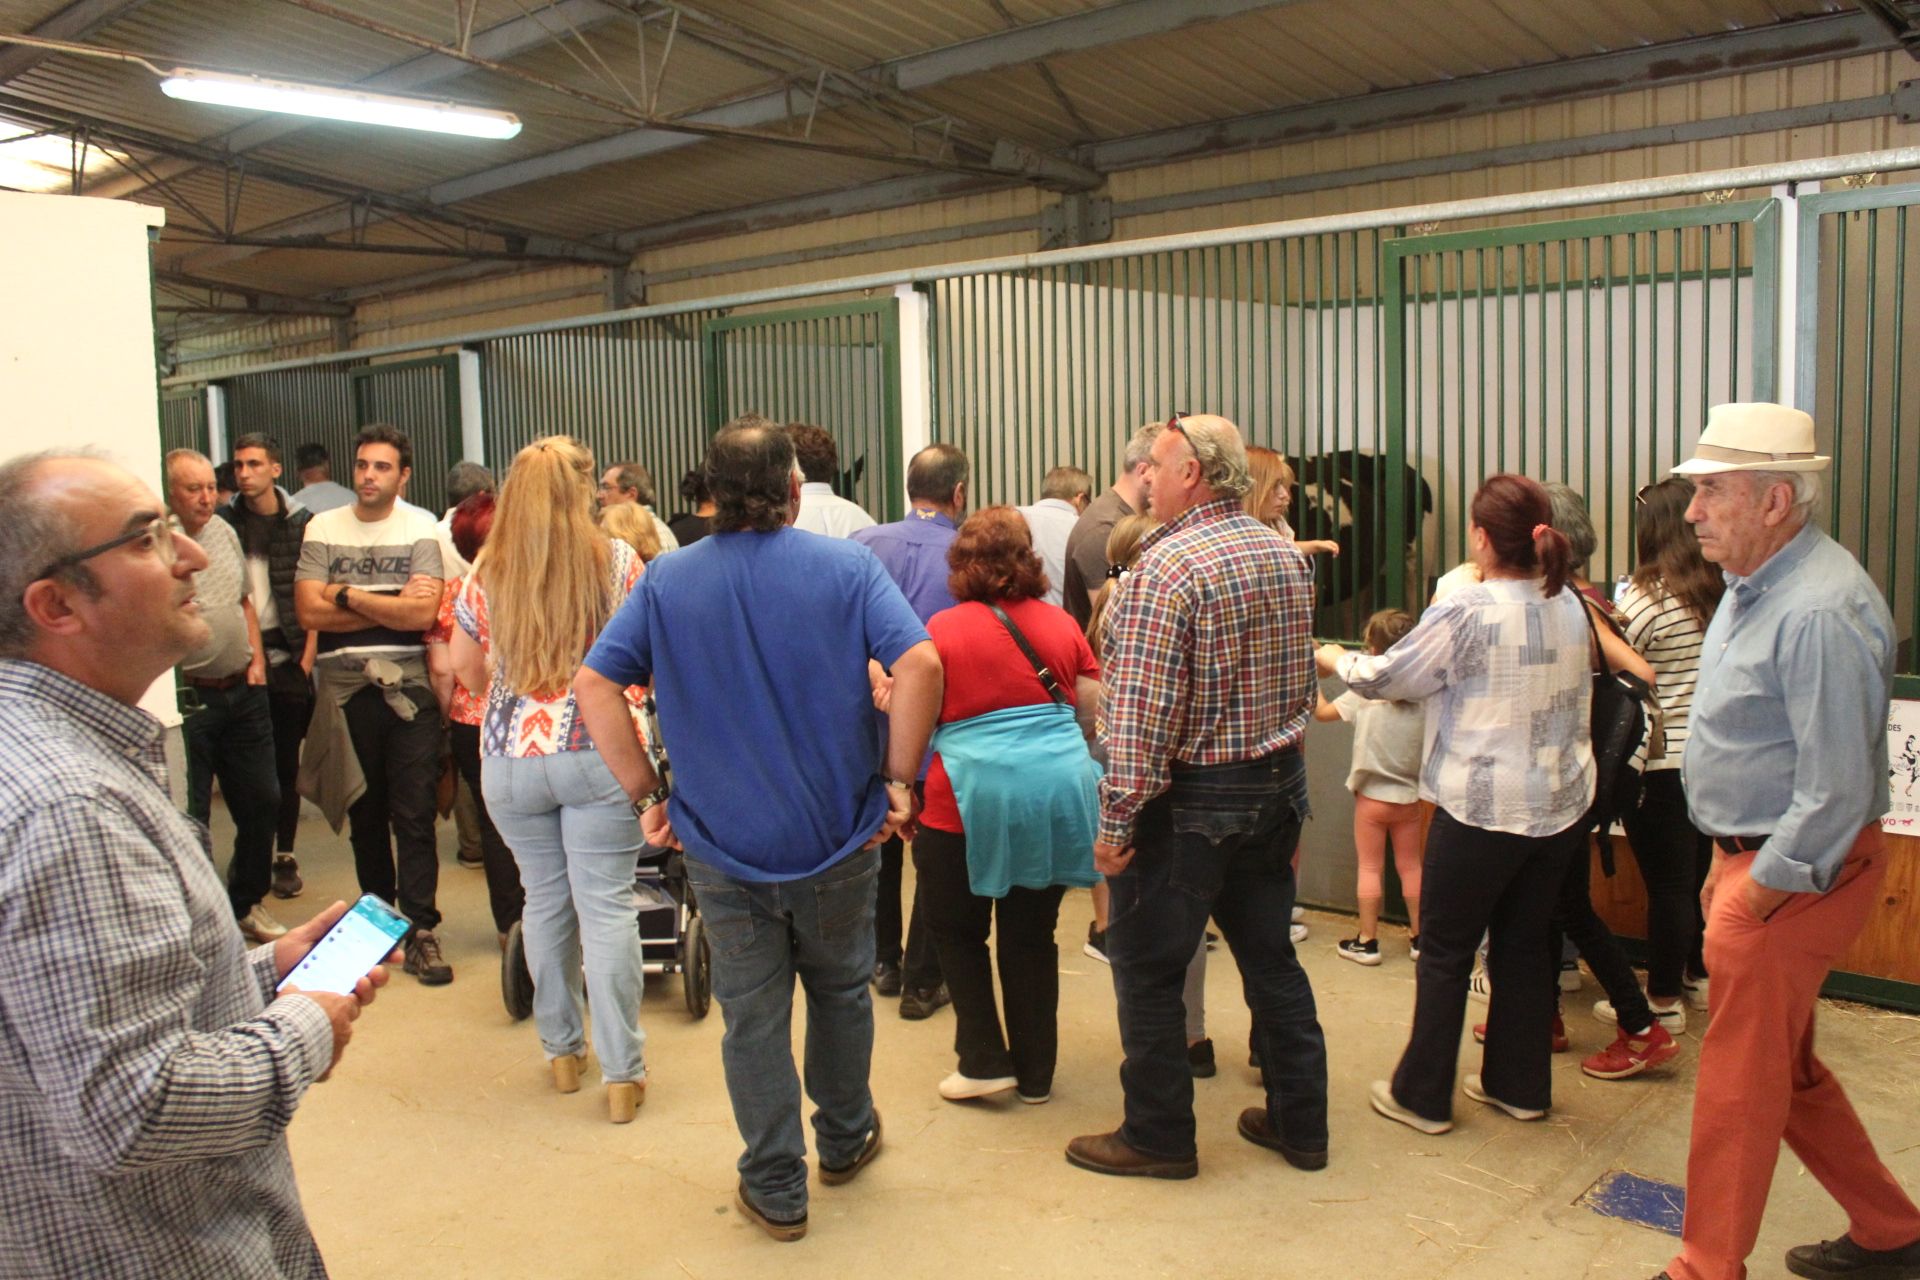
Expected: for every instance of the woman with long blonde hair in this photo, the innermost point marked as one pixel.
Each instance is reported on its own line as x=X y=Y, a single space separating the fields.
x=634 y=525
x=544 y=585
x=1271 y=498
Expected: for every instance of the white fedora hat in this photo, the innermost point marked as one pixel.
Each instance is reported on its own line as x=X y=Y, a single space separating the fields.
x=1754 y=437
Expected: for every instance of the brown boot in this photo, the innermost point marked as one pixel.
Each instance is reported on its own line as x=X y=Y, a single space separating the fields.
x=1106 y=1153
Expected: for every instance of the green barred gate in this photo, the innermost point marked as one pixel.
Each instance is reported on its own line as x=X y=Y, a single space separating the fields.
x=1586 y=352
x=1858 y=374
x=1059 y=365
x=837 y=367
x=183 y=421
x=631 y=390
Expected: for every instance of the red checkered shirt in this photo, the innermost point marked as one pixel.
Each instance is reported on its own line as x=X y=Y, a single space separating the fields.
x=1209 y=658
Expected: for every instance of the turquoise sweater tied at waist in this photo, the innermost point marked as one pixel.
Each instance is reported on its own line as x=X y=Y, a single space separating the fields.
x=1028 y=796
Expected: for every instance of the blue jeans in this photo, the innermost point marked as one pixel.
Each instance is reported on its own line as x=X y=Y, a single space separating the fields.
x=1219 y=842
x=576 y=842
x=762 y=934
x=231 y=738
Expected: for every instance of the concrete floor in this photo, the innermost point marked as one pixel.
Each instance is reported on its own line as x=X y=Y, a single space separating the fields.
x=440 y=1148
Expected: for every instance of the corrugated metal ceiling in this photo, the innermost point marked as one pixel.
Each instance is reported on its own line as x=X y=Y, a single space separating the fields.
x=1273 y=56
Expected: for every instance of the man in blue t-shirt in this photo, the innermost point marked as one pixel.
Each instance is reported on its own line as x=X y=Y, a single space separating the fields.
x=756 y=641
x=914 y=553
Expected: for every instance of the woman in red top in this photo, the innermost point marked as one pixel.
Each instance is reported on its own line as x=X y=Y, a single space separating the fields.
x=1027 y=786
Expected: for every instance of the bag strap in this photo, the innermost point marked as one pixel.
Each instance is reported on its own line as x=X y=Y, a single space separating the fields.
x=1047 y=680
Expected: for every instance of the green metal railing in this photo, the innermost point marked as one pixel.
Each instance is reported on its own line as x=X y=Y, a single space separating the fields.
x=295 y=406
x=836 y=367
x=629 y=389
x=1586 y=352
x=1060 y=365
x=1858 y=374
x=422 y=398
x=183 y=421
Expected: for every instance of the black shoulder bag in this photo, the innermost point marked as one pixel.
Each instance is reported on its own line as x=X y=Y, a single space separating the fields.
x=1623 y=705
x=1047 y=680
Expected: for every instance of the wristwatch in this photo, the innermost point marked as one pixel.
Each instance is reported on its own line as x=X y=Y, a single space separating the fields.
x=656 y=796
x=340 y=597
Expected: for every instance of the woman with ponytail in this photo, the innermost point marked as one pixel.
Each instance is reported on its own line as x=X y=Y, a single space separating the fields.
x=1510 y=771
x=544 y=585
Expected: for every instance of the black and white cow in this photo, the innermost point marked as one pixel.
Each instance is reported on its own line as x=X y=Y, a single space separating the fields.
x=1343 y=496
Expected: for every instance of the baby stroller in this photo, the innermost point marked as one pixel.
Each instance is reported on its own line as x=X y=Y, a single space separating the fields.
x=673 y=938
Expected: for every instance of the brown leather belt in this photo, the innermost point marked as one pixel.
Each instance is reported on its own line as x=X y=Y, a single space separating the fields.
x=1741 y=844
x=217 y=682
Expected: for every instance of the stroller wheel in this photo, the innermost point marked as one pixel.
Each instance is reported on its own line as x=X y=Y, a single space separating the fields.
x=516 y=983
x=696 y=976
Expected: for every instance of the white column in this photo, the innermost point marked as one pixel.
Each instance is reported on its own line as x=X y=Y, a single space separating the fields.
x=217 y=422
x=916 y=384
x=1796 y=383
x=473 y=438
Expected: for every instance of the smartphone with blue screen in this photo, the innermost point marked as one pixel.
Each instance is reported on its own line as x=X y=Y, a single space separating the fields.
x=358 y=941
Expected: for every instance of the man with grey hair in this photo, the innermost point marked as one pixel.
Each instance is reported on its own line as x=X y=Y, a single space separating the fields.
x=148 y=1066
x=1786 y=768
x=631 y=482
x=1209 y=686
x=1064 y=495
x=1086 y=558
x=229 y=736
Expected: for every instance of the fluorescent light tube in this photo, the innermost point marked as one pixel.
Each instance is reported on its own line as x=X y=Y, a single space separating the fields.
x=357 y=106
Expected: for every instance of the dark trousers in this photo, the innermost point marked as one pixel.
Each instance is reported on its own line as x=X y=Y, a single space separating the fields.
x=401 y=761
x=290 y=703
x=504 y=894
x=231 y=738
x=921 y=972
x=1023 y=922
x=1575 y=918
x=1475 y=881
x=1673 y=859
x=1219 y=842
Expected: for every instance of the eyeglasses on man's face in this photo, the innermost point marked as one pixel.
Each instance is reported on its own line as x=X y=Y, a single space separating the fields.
x=155 y=535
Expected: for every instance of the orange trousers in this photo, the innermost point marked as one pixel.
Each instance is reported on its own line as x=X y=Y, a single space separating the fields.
x=1760 y=1080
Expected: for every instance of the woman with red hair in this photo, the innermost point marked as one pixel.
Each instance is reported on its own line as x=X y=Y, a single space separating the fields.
x=463 y=708
x=1011 y=804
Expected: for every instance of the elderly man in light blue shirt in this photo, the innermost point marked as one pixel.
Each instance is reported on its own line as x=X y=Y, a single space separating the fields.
x=1786 y=769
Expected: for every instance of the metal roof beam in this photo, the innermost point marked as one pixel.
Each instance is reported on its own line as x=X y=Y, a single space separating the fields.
x=257 y=301
x=1902 y=24
x=75 y=22
x=509 y=39
x=1648 y=67
x=1128 y=20
x=1677 y=62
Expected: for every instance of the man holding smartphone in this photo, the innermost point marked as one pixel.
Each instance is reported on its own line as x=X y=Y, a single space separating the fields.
x=147 y=1070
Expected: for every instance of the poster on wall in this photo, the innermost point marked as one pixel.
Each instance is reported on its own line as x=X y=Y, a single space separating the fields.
x=1903 y=768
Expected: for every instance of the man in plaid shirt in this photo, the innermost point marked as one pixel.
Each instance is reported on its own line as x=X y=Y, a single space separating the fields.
x=1209 y=687
x=147 y=1071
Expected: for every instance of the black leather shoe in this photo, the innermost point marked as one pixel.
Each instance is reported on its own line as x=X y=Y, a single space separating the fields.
x=1253 y=1127
x=915 y=1005
x=1200 y=1060
x=886 y=979
x=1834 y=1258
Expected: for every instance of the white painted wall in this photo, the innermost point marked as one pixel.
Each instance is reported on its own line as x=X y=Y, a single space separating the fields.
x=76 y=339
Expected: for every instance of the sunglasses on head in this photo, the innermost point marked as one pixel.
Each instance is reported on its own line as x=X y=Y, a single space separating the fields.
x=1175 y=424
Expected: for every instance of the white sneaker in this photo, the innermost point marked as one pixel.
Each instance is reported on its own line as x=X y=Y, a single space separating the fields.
x=1299 y=914
x=1569 y=975
x=1674 y=1019
x=258 y=926
x=1693 y=994
x=1298 y=932
x=1480 y=986
x=1381 y=1096
x=959 y=1088
x=1471 y=1087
